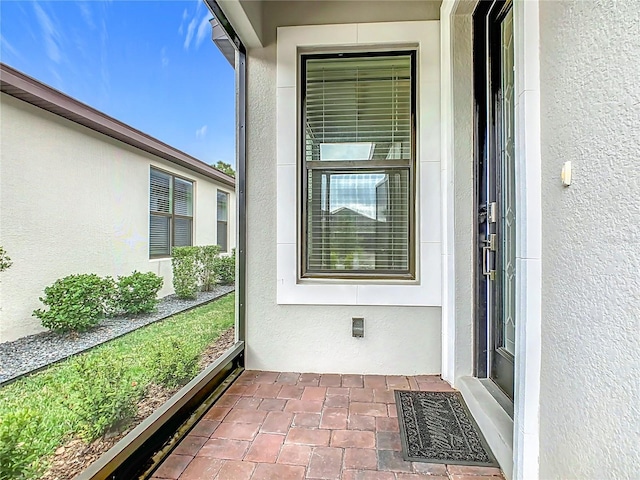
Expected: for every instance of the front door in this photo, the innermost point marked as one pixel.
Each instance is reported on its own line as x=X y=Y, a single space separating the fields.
x=495 y=193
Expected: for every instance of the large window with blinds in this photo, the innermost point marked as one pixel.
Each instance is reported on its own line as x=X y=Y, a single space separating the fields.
x=223 y=220
x=170 y=213
x=358 y=125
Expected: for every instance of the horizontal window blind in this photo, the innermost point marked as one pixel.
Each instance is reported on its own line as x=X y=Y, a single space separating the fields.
x=358 y=122
x=222 y=220
x=171 y=213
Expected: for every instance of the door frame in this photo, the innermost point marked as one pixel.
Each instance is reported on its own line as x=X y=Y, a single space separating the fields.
x=457 y=328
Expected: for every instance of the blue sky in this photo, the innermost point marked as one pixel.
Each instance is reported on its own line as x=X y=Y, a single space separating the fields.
x=150 y=64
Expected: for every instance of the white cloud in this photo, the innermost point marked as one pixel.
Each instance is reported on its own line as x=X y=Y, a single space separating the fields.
x=190 y=31
x=85 y=11
x=203 y=29
x=50 y=34
x=201 y=132
x=8 y=48
x=184 y=18
x=163 y=56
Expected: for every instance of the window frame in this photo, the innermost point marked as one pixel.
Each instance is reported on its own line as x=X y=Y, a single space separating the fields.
x=172 y=216
x=356 y=166
x=226 y=222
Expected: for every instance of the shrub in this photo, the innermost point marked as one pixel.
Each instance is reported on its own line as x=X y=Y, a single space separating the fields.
x=207 y=258
x=225 y=269
x=18 y=453
x=76 y=302
x=172 y=363
x=137 y=293
x=5 y=260
x=103 y=398
x=185 y=271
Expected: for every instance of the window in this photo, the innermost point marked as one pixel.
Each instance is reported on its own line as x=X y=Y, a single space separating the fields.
x=223 y=220
x=358 y=165
x=170 y=213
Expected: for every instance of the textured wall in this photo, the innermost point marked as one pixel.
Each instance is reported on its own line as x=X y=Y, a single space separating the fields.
x=590 y=109
x=76 y=201
x=317 y=338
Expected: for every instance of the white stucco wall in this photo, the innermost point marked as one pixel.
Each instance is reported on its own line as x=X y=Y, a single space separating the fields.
x=317 y=338
x=76 y=201
x=590 y=110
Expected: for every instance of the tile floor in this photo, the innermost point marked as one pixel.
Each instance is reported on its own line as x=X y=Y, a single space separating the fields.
x=282 y=426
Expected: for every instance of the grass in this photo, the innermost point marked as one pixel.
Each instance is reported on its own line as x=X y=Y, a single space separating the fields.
x=41 y=412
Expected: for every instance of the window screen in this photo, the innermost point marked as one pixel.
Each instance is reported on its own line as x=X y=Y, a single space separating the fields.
x=358 y=114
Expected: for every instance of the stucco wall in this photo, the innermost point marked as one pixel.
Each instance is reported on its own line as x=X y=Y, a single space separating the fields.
x=76 y=201
x=590 y=110
x=398 y=340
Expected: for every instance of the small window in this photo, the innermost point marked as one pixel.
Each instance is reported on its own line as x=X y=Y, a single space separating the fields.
x=223 y=220
x=170 y=213
x=358 y=165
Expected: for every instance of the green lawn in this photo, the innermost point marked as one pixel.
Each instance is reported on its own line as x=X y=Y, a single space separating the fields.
x=41 y=412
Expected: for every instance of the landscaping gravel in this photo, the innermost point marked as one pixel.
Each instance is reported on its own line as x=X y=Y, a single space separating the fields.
x=34 y=352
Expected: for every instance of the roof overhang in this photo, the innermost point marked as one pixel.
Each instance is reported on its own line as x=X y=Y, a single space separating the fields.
x=27 y=89
x=246 y=18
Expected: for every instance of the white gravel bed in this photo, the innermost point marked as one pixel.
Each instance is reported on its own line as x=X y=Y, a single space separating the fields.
x=37 y=351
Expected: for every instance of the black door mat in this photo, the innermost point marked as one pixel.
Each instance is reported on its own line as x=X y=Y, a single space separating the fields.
x=436 y=427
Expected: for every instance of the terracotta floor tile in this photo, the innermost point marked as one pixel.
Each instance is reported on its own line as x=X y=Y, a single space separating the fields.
x=392 y=461
x=383 y=396
x=204 y=428
x=288 y=378
x=237 y=431
x=308 y=420
x=369 y=409
x=217 y=413
x=371 y=475
x=239 y=415
x=236 y=389
x=397 y=382
x=277 y=422
x=361 y=394
x=272 y=404
x=440 y=386
x=330 y=380
x=268 y=391
x=173 y=466
x=388 y=441
x=392 y=411
x=224 y=449
x=235 y=470
x=267 y=471
x=472 y=470
x=387 y=424
x=202 y=468
x=352 y=381
x=303 y=406
x=428 y=378
x=360 y=458
x=265 y=448
x=361 y=422
x=334 y=418
x=248 y=403
x=309 y=380
x=250 y=389
x=307 y=436
x=316 y=394
x=353 y=439
x=340 y=401
x=337 y=391
x=430 y=468
x=375 y=381
x=291 y=392
x=190 y=445
x=227 y=400
x=267 y=377
x=417 y=476
x=413 y=383
x=294 y=455
x=325 y=463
